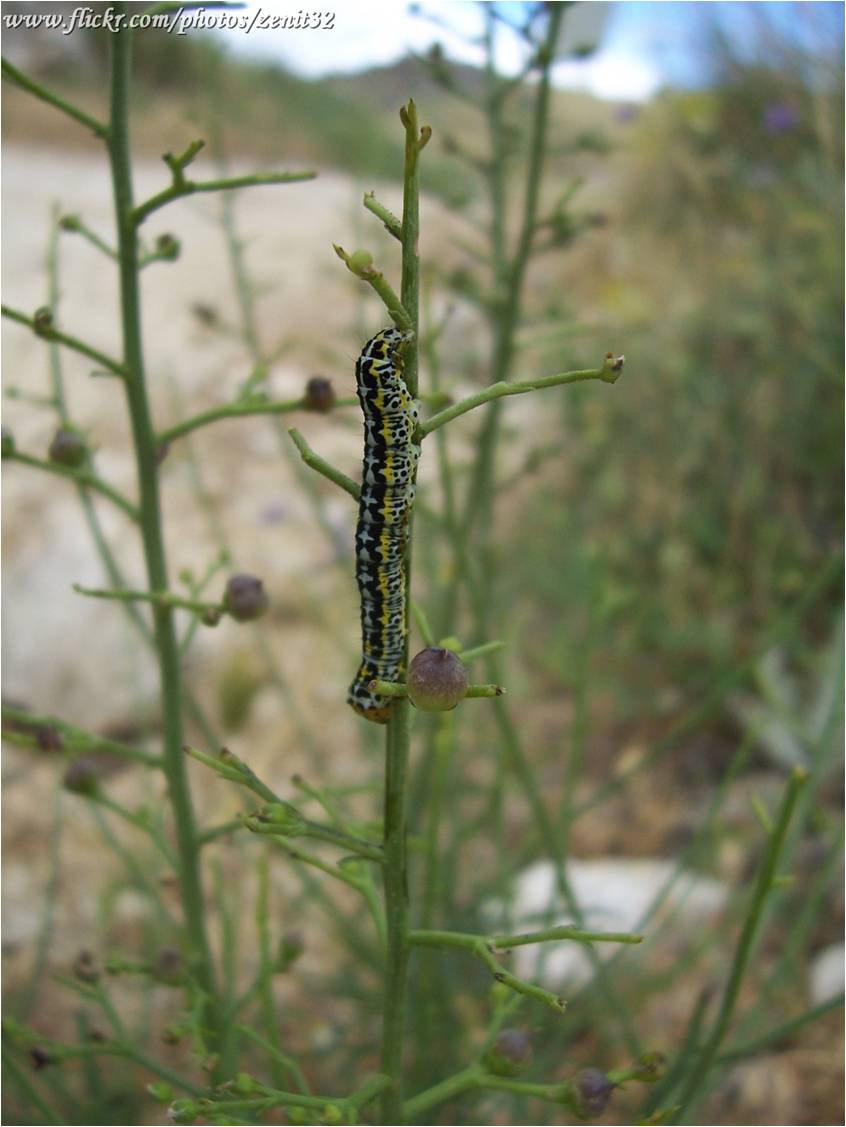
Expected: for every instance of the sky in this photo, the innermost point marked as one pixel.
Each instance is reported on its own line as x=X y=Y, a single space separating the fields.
x=643 y=44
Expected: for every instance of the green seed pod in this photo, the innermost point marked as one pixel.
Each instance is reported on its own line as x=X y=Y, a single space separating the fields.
x=359 y=261
x=509 y=1054
x=437 y=680
x=68 y=448
x=319 y=394
x=245 y=598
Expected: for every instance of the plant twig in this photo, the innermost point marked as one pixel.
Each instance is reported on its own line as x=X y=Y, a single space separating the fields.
x=240 y=408
x=317 y=463
x=83 y=478
x=180 y=188
x=608 y=373
x=99 y=128
x=44 y=328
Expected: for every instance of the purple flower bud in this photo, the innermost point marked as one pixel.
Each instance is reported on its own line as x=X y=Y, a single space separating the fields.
x=49 y=738
x=245 y=598
x=68 y=448
x=590 y=1093
x=437 y=680
x=509 y=1054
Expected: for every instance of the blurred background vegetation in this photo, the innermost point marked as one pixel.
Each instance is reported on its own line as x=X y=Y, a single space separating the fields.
x=668 y=551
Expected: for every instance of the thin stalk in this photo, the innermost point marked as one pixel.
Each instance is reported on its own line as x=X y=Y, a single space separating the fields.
x=145 y=448
x=763 y=889
x=398 y=736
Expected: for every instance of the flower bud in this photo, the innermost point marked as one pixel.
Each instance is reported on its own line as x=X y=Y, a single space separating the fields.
x=42 y=320
x=40 y=1057
x=68 y=447
x=589 y=1093
x=85 y=967
x=167 y=247
x=360 y=261
x=211 y=616
x=161 y=1092
x=509 y=1054
x=437 y=680
x=245 y=598
x=168 y=967
x=49 y=738
x=319 y=394
x=649 y=1067
x=81 y=777
x=70 y=223
x=291 y=946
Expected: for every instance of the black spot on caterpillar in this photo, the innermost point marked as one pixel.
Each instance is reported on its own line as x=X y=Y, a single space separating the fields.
x=387 y=494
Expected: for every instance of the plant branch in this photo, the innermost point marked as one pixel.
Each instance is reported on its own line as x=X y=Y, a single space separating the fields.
x=85 y=478
x=317 y=463
x=157 y=598
x=240 y=408
x=608 y=373
x=182 y=187
x=23 y=728
x=99 y=128
x=42 y=327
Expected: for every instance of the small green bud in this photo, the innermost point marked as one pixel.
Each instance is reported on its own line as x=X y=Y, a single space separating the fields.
x=245 y=598
x=319 y=394
x=162 y=1093
x=183 y=1111
x=509 y=1054
x=211 y=616
x=437 y=680
x=360 y=261
x=172 y=1034
x=611 y=367
x=8 y=443
x=244 y=1084
x=70 y=223
x=650 y=1067
x=68 y=448
x=331 y=1114
x=167 y=247
x=81 y=777
x=291 y=946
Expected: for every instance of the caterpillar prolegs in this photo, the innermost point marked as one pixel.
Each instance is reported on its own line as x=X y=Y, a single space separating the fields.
x=387 y=494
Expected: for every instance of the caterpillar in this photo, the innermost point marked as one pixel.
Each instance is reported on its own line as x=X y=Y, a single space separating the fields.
x=387 y=494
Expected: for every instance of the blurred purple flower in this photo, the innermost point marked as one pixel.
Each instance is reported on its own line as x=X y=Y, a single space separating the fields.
x=627 y=112
x=779 y=117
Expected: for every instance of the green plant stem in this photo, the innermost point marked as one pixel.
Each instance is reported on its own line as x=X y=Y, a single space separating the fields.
x=787 y=1029
x=398 y=736
x=464 y=1081
x=84 y=478
x=501 y=389
x=99 y=128
x=183 y=187
x=239 y=409
x=52 y=334
x=480 y=947
x=764 y=887
x=145 y=447
x=157 y=598
x=19 y=723
x=317 y=463
x=392 y=225
x=22 y=1081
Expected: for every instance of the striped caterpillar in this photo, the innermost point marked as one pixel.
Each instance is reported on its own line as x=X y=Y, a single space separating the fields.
x=387 y=493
